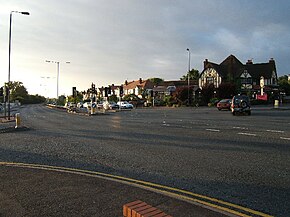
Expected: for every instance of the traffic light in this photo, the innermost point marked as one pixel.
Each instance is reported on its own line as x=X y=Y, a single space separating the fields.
x=151 y=93
x=109 y=90
x=93 y=88
x=1 y=91
x=74 y=92
x=121 y=90
x=106 y=92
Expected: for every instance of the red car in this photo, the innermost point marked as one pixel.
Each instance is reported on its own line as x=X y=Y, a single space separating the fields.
x=224 y=104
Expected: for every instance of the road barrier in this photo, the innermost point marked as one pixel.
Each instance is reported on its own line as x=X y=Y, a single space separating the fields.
x=139 y=208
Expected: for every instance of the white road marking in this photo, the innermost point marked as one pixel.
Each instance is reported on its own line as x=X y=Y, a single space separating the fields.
x=276 y=131
x=242 y=128
x=247 y=134
x=213 y=130
x=286 y=138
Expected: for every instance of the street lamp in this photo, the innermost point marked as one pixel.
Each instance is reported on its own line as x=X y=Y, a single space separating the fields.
x=188 y=76
x=9 y=56
x=57 y=78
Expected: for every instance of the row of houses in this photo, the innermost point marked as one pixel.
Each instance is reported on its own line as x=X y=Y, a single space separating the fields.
x=231 y=70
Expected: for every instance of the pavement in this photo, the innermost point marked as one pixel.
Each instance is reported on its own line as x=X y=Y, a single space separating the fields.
x=30 y=191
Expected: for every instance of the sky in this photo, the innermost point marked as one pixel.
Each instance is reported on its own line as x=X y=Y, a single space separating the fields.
x=110 y=41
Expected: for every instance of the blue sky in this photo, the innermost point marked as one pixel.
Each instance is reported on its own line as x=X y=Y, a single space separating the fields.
x=110 y=41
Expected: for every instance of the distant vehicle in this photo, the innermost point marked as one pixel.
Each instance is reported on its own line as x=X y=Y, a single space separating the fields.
x=241 y=104
x=100 y=105
x=87 y=105
x=113 y=105
x=224 y=104
x=125 y=105
x=80 y=105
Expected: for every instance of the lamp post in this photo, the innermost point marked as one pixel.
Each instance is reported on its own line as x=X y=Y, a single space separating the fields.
x=188 y=76
x=9 y=56
x=57 y=78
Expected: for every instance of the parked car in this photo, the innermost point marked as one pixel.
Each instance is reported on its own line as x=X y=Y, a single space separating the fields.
x=87 y=105
x=100 y=105
x=241 y=104
x=125 y=105
x=224 y=104
x=113 y=105
x=80 y=105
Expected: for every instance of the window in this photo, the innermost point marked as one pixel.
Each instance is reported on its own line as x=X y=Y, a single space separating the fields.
x=246 y=80
x=209 y=80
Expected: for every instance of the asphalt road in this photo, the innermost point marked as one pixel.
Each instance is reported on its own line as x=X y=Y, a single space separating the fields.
x=240 y=159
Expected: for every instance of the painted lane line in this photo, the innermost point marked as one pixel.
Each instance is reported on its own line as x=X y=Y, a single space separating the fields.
x=241 y=128
x=285 y=138
x=276 y=131
x=212 y=130
x=247 y=134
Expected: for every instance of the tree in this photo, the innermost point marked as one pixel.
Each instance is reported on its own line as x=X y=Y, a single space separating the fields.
x=226 y=90
x=284 y=84
x=156 y=81
x=181 y=95
x=207 y=93
x=193 y=75
x=17 y=91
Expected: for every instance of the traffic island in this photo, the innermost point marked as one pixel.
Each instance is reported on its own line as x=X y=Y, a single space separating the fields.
x=11 y=125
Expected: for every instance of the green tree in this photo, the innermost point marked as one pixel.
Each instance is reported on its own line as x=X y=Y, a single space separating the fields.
x=17 y=91
x=193 y=75
x=61 y=100
x=284 y=84
x=156 y=81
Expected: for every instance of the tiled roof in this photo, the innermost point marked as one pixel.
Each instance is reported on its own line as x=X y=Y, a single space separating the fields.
x=146 y=84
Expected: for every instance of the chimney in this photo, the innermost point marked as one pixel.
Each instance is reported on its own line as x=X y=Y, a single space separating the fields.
x=205 y=63
x=271 y=60
x=250 y=62
x=140 y=80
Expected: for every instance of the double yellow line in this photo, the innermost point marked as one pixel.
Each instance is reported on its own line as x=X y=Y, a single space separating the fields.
x=205 y=201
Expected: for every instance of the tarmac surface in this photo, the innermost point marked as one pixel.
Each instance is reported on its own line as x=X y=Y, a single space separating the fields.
x=28 y=191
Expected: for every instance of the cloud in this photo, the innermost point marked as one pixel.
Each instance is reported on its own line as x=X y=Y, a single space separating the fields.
x=109 y=41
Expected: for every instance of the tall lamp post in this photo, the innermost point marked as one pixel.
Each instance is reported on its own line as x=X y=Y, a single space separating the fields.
x=57 y=78
x=188 y=83
x=9 y=57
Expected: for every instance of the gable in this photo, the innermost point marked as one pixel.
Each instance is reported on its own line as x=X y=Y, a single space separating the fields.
x=245 y=74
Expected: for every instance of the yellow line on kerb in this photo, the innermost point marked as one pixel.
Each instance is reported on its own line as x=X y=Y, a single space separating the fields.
x=147 y=185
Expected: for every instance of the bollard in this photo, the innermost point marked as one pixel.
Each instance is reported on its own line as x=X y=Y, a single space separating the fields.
x=93 y=109
x=276 y=105
x=17 y=120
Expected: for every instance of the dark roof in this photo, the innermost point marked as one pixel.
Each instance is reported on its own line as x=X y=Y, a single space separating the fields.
x=232 y=67
x=261 y=69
